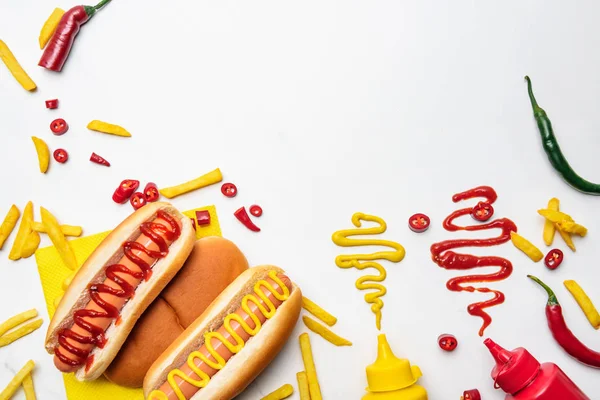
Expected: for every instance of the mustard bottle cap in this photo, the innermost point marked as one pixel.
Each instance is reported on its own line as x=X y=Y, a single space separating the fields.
x=389 y=372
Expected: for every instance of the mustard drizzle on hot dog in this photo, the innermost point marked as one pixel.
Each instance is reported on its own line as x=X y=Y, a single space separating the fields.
x=267 y=311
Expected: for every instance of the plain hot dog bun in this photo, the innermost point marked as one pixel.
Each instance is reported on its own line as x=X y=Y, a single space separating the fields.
x=214 y=263
x=93 y=271
x=258 y=351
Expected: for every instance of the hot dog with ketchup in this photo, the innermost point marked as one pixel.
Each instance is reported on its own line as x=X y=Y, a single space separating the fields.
x=230 y=344
x=115 y=285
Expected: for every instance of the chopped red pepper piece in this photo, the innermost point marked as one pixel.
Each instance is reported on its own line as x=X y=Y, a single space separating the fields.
x=125 y=190
x=193 y=222
x=99 y=160
x=242 y=216
x=447 y=342
x=419 y=223
x=554 y=258
x=203 y=217
x=482 y=211
x=151 y=192
x=256 y=210
x=61 y=155
x=472 y=394
x=229 y=190
x=52 y=104
x=138 y=200
x=59 y=127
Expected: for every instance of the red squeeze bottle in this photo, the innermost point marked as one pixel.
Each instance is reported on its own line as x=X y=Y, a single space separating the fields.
x=520 y=375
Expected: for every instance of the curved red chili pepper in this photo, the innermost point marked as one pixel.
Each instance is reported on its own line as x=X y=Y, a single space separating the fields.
x=561 y=332
x=242 y=216
x=99 y=160
x=58 y=49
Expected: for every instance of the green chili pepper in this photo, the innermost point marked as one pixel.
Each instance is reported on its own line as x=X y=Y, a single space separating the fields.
x=555 y=155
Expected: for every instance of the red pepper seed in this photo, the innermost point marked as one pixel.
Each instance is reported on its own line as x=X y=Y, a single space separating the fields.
x=52 y=104
x=256 y=210
x=229 y=190
x=59 y=127
x=447 y=342
x=61 y=155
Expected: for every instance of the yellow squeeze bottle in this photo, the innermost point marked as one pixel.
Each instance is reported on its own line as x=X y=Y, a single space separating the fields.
x=392 y=378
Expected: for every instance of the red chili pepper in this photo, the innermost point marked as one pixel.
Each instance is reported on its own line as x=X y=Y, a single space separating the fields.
x=561 y=332
x=256 y=210
x=151 y=192
x=61 y=155
x=203 y=217
x=482 y=211
x=59 y=127
x=138 y=200
x=229 y=190
x=125 y=190
x=447 y=342
x=554 y=258
x=419 y=223
x=99 y=160
x=242 y=216
x=60 y=44
x=52 y=104
x=472 y=394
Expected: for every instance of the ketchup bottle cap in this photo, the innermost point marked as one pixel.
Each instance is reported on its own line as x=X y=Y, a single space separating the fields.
x=514 y=369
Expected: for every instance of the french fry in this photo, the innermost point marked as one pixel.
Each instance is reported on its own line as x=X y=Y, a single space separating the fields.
x=43 y=153
x=15 y=68
x=303 y=385
x=324 y=332
x=50 y=26
x=564 y=221
x=586 y=305
x=318 y=312
x=205 y=180
x=526 y=247
x=549 y=228
x=16 y=381
x=58 y=239
x=28 y=388
x=282 y=393
x=105 y=127
x=17 y=320
x=572 y=227
x=13 y=322
x=9 y=223
x=67 y=230
x=22 y=233
x=555 y=215
x=566 y=237
x=309 y=366
x=31 y=244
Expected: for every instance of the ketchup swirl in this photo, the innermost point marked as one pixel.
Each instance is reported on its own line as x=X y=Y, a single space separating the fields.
x=126 y=291
x=442 y=253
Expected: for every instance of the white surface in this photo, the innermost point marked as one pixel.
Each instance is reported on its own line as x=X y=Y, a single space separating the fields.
x=318 y=109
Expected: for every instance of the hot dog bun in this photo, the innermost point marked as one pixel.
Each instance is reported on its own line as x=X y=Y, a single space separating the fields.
x=215 y=262
x=93 y=271
x=258 y=351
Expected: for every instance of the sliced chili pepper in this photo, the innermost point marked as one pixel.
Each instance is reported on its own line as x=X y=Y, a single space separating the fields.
x=472 y=394
x=203 y=217
x=125 y=190
x=229 y=190
x=193 y=222
x=138 y=200
x=419 y=223
x=151 y=192
x=554 y=258
x=447 y=342
x=61 y=155
x=59 y=127
x=52 y=104
x=482 y=211
x=99 y=160
x=256 y=210
x=242 y=216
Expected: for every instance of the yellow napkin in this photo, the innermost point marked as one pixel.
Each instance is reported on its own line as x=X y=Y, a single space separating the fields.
x=52 y=274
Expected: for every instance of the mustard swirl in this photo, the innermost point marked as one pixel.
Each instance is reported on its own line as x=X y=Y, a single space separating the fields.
x=368 y=282
x=268 y=310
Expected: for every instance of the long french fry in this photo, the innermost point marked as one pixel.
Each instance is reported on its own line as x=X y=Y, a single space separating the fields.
x=318 y=312
x=9 y=223
x=526 y=247
x=309 y=366
x=67 y=230
x=549 y=228
x=566 y=237
x=17 y=320
x=28 y=387
x=22 y=331
x=324 y=332
x=15 y=68
x=105 y=127
x=50 y=26
x=22 y=233
x=200 y=182
x=58 y=239
x=303 y=385
x=16 y=381
x=31 y=244
x=43 y=153
x=282 y=393
x=585 y=303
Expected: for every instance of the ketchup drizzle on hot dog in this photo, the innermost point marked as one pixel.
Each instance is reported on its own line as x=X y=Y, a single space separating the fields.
x=151 y=230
